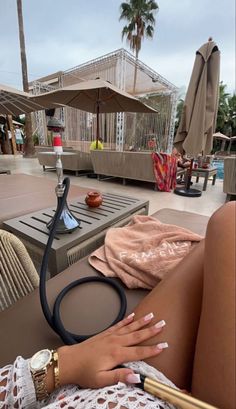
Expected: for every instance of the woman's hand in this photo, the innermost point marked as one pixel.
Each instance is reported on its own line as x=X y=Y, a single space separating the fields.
x=91 y=363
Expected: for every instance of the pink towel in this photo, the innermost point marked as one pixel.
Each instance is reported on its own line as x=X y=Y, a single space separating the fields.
x=143 y=252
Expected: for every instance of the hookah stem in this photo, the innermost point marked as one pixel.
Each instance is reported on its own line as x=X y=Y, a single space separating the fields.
x=59 y=171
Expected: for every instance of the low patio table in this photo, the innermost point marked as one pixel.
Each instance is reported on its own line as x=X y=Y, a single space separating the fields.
x=205 y=173
x=116 y=210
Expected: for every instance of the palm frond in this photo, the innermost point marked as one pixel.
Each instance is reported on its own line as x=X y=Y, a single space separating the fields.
x=149 y=31
x=152 y=5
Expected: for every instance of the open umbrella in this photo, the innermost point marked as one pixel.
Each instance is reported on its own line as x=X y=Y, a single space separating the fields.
x=219 y=135
x=95 y=96
x=232 y=139
x=16 y=102
x=197 y=124
x=222 y=137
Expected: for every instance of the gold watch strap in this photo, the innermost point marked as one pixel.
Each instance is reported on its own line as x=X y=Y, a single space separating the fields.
x=56 y=370
x=40 y=385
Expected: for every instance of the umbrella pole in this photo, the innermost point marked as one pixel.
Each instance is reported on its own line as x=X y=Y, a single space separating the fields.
x=98 y=102
x=189 y=175
x=187 y=191
x=97 y=136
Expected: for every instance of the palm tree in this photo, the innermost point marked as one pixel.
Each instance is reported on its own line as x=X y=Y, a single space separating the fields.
x=232 y=114
x=29 y=145
x=179 y=110
x=140 y=17
x=223 y=109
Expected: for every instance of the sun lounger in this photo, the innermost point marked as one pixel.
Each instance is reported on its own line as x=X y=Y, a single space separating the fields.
x=23 y=327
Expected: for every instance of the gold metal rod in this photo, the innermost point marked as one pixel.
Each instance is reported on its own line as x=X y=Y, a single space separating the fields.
x=173 y=396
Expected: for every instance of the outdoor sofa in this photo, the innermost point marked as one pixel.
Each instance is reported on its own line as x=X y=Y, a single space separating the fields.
x=125 y=165
x=73 y=160
x=85 y=310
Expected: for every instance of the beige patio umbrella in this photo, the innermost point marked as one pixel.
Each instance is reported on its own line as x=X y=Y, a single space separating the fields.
x=95 y=96
x=222 y=137
x=16 y=102
x=232 y=139
x=197 y=124
x=219 y=135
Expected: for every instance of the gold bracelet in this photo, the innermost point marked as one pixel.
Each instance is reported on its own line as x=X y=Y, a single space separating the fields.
x=56 y=370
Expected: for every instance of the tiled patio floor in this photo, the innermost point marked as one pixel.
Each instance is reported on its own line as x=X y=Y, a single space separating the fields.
x=206 y=204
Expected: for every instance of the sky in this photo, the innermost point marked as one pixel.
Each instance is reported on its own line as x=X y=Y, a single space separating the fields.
x=62 y=34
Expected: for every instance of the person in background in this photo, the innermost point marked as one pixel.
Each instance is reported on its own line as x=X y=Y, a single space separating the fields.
x=97 y=145
x=19 y=139
x=182 y=162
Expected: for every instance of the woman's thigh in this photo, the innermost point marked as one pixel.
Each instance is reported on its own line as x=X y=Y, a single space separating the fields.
x=214 y=363
x=177 y=299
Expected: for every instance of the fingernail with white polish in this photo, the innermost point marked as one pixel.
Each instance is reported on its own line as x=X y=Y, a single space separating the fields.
x=133 y=378
x=160 y=324
x=148 y=317
x=131 y=315
x=162 y=345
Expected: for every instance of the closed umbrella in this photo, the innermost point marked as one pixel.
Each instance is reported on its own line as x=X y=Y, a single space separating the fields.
x=95 y=96
x=16 y=102
x=197 y=124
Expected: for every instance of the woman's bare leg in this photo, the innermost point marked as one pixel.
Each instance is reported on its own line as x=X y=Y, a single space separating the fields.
x=177 y=300
x=214 y=364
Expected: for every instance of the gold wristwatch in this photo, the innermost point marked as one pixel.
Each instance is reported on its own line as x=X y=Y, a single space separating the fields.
x=39 y=365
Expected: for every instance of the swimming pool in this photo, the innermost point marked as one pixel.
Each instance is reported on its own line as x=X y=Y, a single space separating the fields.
x=219 y=164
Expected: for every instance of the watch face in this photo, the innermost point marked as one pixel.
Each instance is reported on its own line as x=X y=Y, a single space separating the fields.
x=40 y=360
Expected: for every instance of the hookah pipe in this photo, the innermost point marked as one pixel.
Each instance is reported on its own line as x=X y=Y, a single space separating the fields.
x=64 y=222
x=60 y=219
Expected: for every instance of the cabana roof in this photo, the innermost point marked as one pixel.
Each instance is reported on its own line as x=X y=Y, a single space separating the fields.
x=148 y=80
x=121 y=130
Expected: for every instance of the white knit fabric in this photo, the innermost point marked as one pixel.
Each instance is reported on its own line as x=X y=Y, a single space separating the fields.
x=17 y=387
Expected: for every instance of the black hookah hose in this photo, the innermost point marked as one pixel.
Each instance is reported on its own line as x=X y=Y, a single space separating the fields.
x=54 y=318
